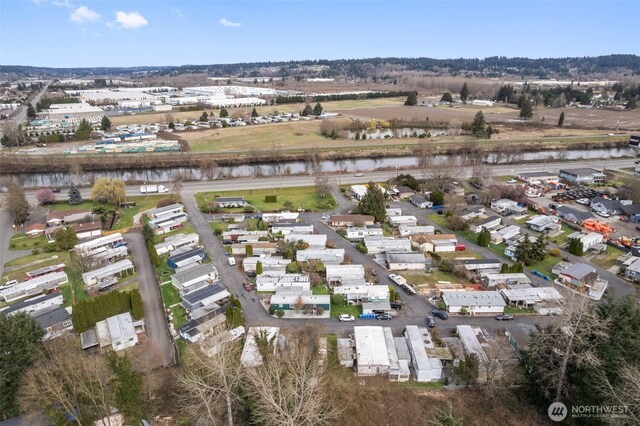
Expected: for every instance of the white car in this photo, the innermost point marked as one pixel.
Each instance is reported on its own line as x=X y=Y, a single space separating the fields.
x=359 y=174
x=346 y=318
x=603 y=214
x=512 y=181
x=583 y=201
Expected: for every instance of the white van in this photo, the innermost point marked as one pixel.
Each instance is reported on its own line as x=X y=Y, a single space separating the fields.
x=231 y=260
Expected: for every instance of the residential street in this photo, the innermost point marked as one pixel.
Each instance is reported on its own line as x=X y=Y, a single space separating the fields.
x=155 y=320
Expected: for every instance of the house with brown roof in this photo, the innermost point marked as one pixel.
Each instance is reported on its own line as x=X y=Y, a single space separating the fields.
x=88 y=229
x=35 y=230
x=61 y=217
x=435 y=243
x=352 y=220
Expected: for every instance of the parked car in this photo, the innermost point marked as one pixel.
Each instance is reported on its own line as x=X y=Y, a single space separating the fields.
x=384 y=317
x=584 y=201
x=512 y=181
x=247 y=286
x=603 y=214
x=8 y=284
x=440 y=314
x=56 y=190
x=359 y=174
x=346 y=318
x=504 y=317
x=396 y=305
x=431 y=322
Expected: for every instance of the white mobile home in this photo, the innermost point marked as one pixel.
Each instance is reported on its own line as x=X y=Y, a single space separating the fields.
x=377 y=245
x=492 y=280
x=371 y=351
x=273 y=281
x=340 y=273
x=177 y=241
x=474 y=302
x=315 y=241
x=166 y=211
x=414 y=261
x=359 y=233
x=269 y=264
x=326 y=256
x=107 y=274
x=34 y=286
x=396 y=221
x=195 y=277
x=426 y=367
x=406 y=230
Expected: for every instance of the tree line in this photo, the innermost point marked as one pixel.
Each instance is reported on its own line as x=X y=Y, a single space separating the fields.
x=340 y=97
x=86 y=313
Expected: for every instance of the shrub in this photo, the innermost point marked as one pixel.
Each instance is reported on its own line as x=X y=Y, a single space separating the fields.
x=337 y=299
x=270 y=198
x=35 y=251
x=362 y=248
x=280 y=313
x=555 y=252
x=50 y=247
x=319 y=310
x=272 y=310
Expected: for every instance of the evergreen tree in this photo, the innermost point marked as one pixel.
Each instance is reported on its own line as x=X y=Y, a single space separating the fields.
x=172 y=125
x=66 y=238
x=147 y=233
x=437 y=198
x=84 y=126
x=307 y=111
x=75 y=197
x=539 y=248
x=258 y=268
x=137 y=307
x=105 y=123
x=631 y=103
x=317 y=110
x=446 y=97
x=504 y=269
x=224 y=113
x=526 y=109
x=484 y=238
x=478 y=126
x=576 y=247
x=412 y=99
x=204 y=117
x=153 y=254
x=127 y=388
x=20 y=342
x=373 y=203
x=464 y=93
x=31 y=112
x=489 y=131
x=524 y=251
x=561 y=119
x=254 y=113
x=248 y=249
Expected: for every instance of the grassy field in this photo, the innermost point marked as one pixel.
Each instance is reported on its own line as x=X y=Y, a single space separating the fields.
x=608 y=259
x=562 y=238
x=438 y=219
x=26 y=266
x=22 y=242
x=304 y=197
x=221 y=226
x=179 y=318
x=320 y=289
x=498 y=249
x=546 y=265
x=170 y=295
x=337 y=310
x=126 y=215
x=421 y=278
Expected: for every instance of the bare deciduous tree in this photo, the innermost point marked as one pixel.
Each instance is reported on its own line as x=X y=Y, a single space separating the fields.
x=291 y=389
x=211 y=388
x=626 y=394
x=209 y=168
x=571 y=340
x=323 y=184
x=176 y=184
x=66 y=380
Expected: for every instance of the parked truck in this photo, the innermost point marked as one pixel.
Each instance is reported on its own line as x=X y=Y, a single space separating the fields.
x=153 y=189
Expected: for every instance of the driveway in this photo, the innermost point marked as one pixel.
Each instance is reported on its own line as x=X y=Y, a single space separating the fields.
x=155 y=320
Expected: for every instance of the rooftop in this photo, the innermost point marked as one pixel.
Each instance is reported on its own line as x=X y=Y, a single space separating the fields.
x=371 y=346
x=473 y=298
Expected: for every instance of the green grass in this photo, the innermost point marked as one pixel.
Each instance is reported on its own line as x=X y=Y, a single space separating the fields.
x=320 y=289
x=521 y=221
x=22 y=242
x=562 y=238
x=420 y=385
x=498 y=249
x=546 y=265
x=304 y=197
x=221 y=226
x=179 y=318
x=182 y=347
x=332 y=350
x=608 y=259
x=125 y=219
x=438 y=219
x=432 y=278
x=133 y=286
x=23 y=262
x=337 y=310
x=515 y=311
x=184 y=230
x=170 y=295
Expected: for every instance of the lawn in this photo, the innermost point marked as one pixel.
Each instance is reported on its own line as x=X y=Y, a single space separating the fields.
x=438 y=219
x=125 y=220
x=562 y=238
x=45 y=259
x=170 y=295
x=499 y=249
x=179 y=318
x=546 y=265
x=218 y=226
x=337 y=310
x=304 y=197
x=432 y=278
x=608 y=259
x=465 y=254
x=516 y=311
x=22 y=242
x=320 y=289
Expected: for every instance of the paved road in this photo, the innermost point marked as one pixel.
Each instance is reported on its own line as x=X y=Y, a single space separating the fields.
x=190 y=188
x=154 y=316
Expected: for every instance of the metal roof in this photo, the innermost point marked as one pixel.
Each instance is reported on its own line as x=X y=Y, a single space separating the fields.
x=473 y=298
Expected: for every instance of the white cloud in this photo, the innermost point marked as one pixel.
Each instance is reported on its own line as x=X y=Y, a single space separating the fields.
x=83 y=14
x=62 y=3
x=227 y=23
x=130 y=20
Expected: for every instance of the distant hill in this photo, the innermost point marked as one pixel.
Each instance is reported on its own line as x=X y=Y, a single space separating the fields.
x=359 y=68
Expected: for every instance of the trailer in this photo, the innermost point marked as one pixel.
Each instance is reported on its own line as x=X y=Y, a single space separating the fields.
x=153 y=189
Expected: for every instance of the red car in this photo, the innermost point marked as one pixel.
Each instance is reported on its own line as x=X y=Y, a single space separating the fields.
x=247 y=286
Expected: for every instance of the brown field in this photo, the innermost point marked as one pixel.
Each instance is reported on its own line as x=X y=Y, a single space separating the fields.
x=335 y=106
x=581 y=118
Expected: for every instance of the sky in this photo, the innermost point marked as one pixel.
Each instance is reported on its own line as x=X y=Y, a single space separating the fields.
x=91 y=33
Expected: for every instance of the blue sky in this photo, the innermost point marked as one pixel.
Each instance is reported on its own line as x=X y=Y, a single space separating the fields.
x=73 y=33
